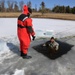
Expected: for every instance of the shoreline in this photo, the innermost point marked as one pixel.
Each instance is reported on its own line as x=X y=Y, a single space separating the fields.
x=60 y=16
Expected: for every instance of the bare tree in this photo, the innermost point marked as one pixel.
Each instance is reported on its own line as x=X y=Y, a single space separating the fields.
x=16 y=8
x=2 y=5
x=35 y=7
x=21 y=3
x=42 y=7
x=10 y=5
x=29 y=4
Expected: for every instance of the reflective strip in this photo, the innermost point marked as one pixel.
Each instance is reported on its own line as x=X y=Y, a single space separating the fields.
x=20 y=23
x=25 y=18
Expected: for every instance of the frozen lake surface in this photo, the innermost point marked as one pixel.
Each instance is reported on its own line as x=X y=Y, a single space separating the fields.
x=41 y=63
x=61 y=28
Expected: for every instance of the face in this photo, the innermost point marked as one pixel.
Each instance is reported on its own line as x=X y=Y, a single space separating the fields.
x=30 y=10
x=52 y=40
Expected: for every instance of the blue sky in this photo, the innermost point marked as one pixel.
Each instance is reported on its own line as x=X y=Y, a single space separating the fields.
x=51 y=3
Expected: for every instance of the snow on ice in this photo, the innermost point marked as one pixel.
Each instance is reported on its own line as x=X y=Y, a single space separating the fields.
x=61 y=28
x=12 y=64
x=3 y=46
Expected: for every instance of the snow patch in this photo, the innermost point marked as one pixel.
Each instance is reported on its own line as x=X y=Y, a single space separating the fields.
x=5 y=52
x=61 y=28
x=19 y=72
x=67 y=69
x=3 y=47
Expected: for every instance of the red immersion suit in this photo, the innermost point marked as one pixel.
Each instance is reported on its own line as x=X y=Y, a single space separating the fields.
x=25 y=30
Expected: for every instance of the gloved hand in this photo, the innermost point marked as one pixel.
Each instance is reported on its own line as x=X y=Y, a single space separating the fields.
x=33 y=37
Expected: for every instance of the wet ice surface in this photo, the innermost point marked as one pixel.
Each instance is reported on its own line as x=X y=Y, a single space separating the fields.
x=41 y=63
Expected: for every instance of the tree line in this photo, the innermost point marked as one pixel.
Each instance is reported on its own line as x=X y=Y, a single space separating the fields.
x=14 y=6
x=11 y=6
x=63 y=9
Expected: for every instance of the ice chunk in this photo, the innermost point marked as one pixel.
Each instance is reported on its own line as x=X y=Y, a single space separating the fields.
x=49 y=33
x=19 y=72
x=3 y=47
x=39 y=33
x=44 y=33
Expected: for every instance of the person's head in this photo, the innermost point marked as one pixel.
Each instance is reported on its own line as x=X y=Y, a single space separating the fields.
x=52 y=39
x=26 y=10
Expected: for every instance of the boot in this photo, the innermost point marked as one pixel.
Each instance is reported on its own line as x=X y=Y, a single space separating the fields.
x=25 y=56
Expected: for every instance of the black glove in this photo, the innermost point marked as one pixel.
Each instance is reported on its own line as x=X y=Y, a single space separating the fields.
x=33 y=38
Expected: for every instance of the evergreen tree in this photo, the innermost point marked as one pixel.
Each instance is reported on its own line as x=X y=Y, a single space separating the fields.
x=73 y=10
x=68 y=9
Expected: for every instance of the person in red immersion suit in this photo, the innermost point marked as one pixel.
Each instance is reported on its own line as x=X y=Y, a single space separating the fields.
x=25 y=30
